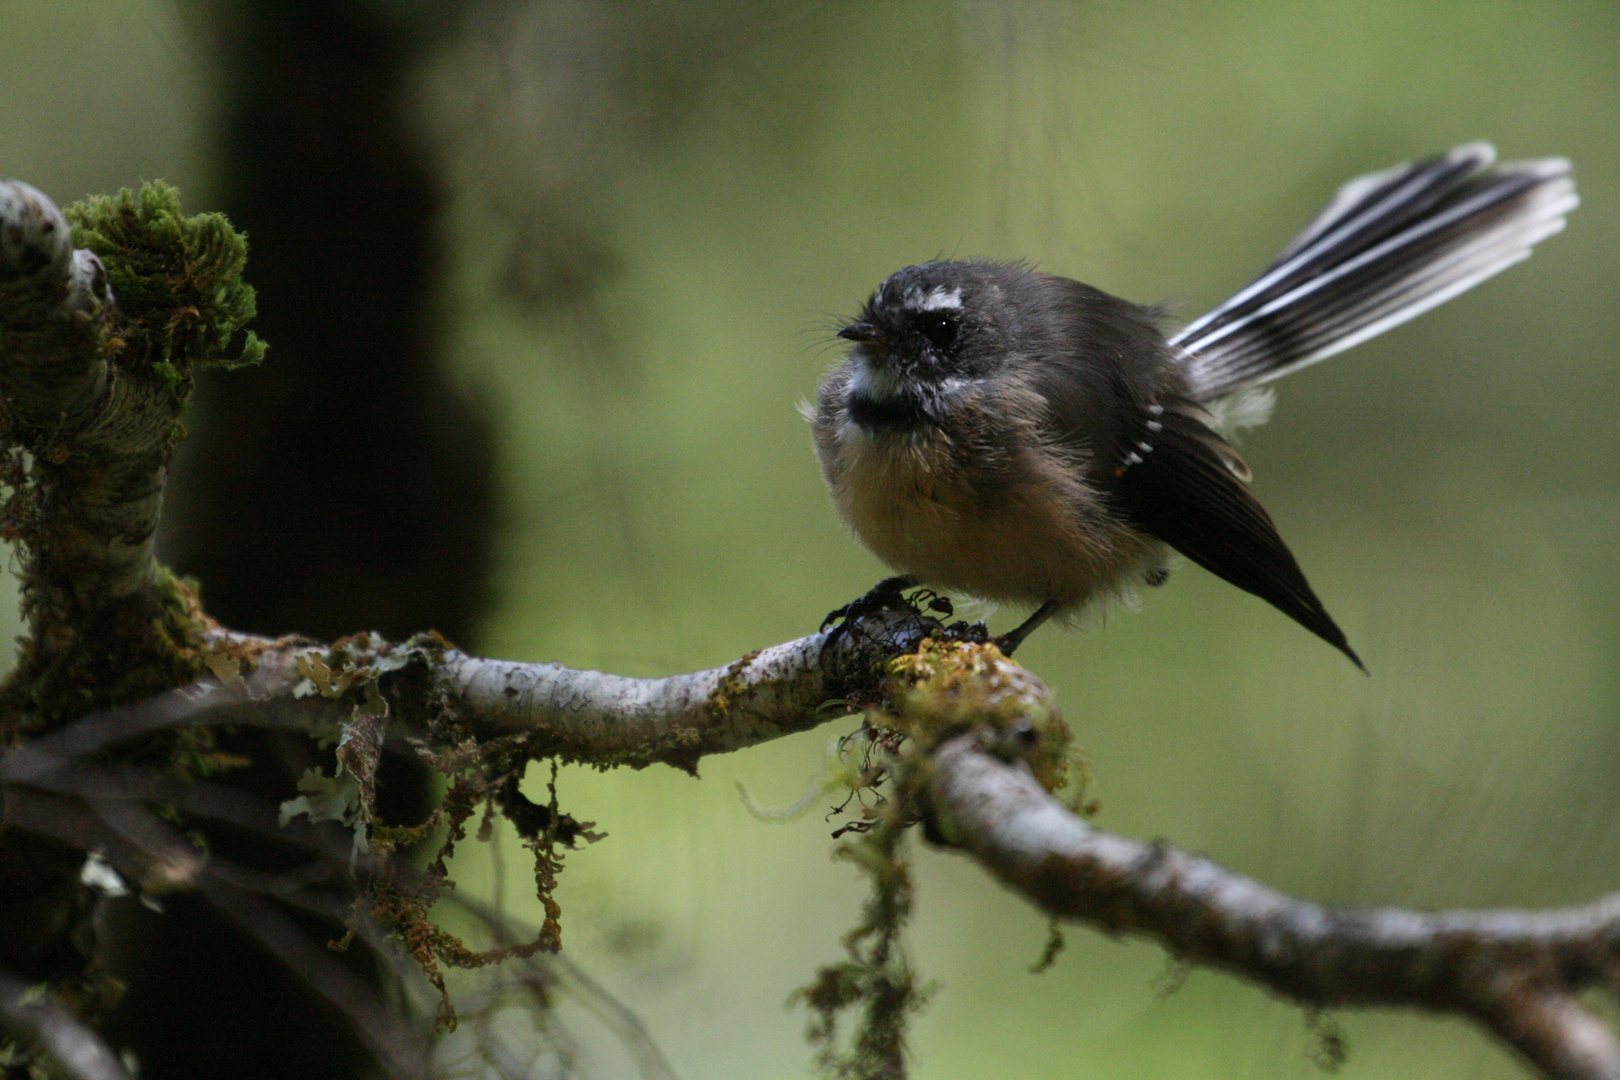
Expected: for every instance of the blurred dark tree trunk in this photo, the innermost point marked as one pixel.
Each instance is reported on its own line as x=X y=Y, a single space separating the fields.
x=345 y=485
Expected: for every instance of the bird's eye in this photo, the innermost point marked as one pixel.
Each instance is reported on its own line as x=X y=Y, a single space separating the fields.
x=940 y=329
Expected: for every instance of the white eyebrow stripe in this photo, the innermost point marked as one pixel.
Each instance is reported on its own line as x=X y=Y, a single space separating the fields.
x=942 y=300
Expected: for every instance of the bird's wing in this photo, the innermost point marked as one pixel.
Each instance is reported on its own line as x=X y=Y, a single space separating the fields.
x=1183 y=484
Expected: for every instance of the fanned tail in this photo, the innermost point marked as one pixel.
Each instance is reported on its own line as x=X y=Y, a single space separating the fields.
x=1390 y=246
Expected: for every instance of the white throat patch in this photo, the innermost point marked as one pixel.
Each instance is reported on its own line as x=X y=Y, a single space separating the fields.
x=873 y=382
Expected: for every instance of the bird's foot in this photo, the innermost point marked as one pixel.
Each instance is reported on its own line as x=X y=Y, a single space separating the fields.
x=887 y=595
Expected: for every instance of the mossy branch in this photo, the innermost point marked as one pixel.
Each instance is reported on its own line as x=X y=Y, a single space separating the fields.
x=101 y=327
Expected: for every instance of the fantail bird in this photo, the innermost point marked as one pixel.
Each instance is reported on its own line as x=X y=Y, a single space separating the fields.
x=1023 y=437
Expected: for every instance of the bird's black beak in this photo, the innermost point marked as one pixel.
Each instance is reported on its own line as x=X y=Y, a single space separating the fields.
x=863 y=332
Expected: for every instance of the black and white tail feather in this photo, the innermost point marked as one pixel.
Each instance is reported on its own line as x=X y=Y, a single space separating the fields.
x=1390 y=246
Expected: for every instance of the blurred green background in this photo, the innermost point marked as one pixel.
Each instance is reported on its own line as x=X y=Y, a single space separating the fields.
x=651 y=217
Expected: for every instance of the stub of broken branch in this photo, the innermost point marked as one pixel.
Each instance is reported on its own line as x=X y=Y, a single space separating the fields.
x=105 y=310
x=95 y=444
x=55 y=310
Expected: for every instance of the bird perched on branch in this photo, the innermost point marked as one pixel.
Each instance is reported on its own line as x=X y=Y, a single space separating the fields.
x=1023 y=437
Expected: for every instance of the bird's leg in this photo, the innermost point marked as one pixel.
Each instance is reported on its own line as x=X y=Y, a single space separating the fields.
x=1015 y=637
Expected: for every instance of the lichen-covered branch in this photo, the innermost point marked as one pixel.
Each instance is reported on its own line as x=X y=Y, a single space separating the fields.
x=593 y=716
x=1515 y=972
x=557 y=712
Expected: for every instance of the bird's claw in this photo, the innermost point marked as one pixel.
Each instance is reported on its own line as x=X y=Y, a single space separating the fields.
x=887 y=595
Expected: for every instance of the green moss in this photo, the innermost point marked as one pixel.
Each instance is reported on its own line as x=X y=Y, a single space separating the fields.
x=140 y=646
x=182 y=302
x=945 y=688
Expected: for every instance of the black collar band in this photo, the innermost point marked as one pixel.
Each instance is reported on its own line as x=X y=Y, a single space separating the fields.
x=902 y=413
